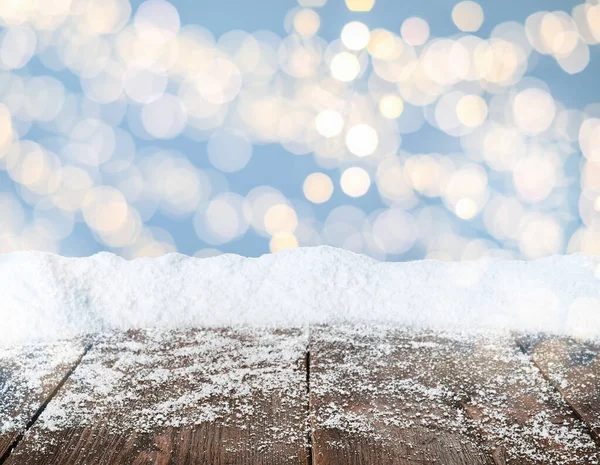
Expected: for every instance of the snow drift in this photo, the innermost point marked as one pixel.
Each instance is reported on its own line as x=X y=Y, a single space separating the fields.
x=48 y=297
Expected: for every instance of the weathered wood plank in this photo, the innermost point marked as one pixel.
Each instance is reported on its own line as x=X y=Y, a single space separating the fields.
x=573 y=367
x=191 y=397
x=28 y=377
x=386 y=396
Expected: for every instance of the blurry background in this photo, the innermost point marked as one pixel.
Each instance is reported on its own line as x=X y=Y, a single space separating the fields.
x=402 y=130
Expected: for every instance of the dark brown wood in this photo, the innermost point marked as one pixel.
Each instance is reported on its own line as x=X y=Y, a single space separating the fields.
x=573 y=368
x=190 y=397
x=28 y=377
x=386 y=396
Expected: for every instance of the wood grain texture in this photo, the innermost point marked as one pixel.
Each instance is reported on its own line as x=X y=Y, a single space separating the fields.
x=211 y=397
x=374 y=401
x=573 y=367
x=388 y=396
x=28 y=377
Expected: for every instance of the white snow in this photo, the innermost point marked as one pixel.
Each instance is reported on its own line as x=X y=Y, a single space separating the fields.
x=47 y=297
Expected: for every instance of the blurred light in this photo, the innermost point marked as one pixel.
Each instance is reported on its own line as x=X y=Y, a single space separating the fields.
x=12 y=214
x=384 y=45
x=144 y=85
x=223 y=220
x=533 y=110
x=148 y=77
x=355 y=181
x=466 y=209
x=74 y=184
x=345 y=67
x=164 y=118
x=468 y=16
x=360 y=5
x=558 y=32
x=534 y=177
x=306 y=22
x=589 y=139
x=281 y=241
x=593 y=18
x=104 y=16
x=392 y=183
x=466 y=191
x=394 y=231
x=355 y=35
x=17 y=47
x=577 y=60
x=391 y=106
x=427 y=174
x=105 y=210
x=502 y=217
x=207 y=253
x=156 y=21
x=6 y=128
x=329 y=123
x=362 y=140
x=471 y=110
x=540 y=235
x=280 y=218
x=258 y=201
x=318 y=187
x=415 y=31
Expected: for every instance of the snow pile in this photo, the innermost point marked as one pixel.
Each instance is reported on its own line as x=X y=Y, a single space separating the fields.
x=47 y=297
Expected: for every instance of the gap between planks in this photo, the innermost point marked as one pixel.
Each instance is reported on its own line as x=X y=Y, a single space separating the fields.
x=43 y=406
x=309 y=433
x=572 y=406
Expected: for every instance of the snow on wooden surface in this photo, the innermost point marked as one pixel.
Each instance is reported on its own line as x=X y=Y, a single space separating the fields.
x=197 y=396
x=28 y=377
x=344 y=394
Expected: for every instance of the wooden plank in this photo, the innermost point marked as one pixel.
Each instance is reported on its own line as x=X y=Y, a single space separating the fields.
x=386 y=396
x=573 y=367
x=189 y=397
x=29 y=375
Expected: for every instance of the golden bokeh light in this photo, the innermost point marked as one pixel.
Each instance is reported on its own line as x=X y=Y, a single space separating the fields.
x=467 y=16
x=471 y=110
x=355 y=181
x=164 y=121
x=360 y=5
x=280 y=218
x=391 y=106
x=282 y=241
x=306 y=22
x=318 y=187
x=105 y=209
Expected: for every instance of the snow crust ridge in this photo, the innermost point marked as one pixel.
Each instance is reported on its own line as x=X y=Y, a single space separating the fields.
x=47 y=297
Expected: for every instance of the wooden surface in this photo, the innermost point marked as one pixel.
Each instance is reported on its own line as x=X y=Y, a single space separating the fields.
x=394 y=397
x=29 y=377
x=328 y=395
x=573 y=368
x=375 y=399
x=195 y=397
